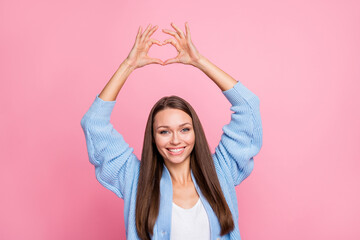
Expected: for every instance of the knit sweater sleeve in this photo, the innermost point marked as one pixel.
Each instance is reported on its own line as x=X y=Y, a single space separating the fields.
x=242 y=137
x=114 y=161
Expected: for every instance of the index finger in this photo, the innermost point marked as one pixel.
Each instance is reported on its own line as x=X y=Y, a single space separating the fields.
x=187 y=29
x=178 y=30
x=138 y=34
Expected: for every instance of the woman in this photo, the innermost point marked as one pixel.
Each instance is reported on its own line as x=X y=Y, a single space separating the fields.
x=179 y=190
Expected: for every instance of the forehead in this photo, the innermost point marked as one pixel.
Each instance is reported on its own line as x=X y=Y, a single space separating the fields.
x=171 y=117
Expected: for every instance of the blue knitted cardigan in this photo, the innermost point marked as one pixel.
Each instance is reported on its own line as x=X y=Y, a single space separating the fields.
x=117 y=167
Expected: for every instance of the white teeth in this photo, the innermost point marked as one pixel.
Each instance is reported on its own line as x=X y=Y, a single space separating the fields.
x=176 y=150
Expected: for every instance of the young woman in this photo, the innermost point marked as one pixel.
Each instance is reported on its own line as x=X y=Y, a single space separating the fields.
x=179 y=190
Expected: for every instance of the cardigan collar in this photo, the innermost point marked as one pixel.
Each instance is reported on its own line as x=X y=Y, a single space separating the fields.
x=163 y=222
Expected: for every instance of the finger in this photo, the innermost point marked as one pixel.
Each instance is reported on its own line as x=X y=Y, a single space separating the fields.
x=172 y=42
x=145 y=33
x=178 y=30
x=187 y=29
x=138 y=35
x=155 y=60
x=172 y=33
x=150 y=42
x=170 y=61
x=148 y=28
x=156 y=42
x=151 y=32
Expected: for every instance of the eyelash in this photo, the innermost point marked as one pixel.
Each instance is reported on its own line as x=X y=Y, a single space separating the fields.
x=188 y=129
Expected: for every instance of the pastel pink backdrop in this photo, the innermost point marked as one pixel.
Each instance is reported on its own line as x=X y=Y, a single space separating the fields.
x=300 y=57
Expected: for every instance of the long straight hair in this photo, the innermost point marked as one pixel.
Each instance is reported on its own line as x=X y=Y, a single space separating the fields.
x=151 y=167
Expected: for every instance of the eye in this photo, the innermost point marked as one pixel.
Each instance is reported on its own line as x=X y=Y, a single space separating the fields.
x=162 y=132
x=186 y=129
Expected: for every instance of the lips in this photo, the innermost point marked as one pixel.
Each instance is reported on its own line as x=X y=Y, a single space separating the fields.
x=176 y=152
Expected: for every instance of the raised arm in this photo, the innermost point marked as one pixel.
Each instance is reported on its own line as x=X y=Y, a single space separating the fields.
x=114 y=161
x=188 y=54
x=242 y=137
x=137 y=58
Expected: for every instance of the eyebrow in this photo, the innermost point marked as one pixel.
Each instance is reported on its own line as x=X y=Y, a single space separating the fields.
x=179 y=125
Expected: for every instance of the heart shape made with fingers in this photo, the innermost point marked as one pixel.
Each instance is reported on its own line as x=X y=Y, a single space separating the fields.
x=163 y=52
x=186 y=51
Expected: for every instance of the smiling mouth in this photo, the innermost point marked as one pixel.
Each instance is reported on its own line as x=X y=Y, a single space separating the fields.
x=176 y=151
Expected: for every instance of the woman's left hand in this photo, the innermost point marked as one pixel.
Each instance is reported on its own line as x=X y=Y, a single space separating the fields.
x=188 y=54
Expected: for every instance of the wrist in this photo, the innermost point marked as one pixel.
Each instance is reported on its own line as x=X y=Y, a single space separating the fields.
x=127 y=65
x=200 y=62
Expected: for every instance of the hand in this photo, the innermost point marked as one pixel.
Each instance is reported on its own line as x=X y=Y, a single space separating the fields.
x=138 y=55
x=188 y=54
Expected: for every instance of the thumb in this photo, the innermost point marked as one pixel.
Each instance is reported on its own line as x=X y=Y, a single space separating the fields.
x=155 y=60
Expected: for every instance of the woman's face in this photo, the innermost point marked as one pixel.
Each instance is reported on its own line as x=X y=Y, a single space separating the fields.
x=174 y=135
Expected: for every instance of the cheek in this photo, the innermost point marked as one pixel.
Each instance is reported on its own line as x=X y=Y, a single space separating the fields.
x=190 y=139
x=160 y=142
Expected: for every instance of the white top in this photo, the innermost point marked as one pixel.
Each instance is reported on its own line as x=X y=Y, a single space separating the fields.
x=192 y=223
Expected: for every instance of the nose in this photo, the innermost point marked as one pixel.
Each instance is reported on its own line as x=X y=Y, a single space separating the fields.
x=175 y=139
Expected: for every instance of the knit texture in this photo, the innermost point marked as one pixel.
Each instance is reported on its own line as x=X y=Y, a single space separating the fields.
x=117 y=167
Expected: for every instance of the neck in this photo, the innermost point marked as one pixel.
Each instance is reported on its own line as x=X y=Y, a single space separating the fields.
x=180 y=173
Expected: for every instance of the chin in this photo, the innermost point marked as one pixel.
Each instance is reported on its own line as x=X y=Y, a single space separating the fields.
x=177 y=159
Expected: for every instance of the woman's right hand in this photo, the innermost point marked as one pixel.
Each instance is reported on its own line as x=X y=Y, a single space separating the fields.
x=138 y=55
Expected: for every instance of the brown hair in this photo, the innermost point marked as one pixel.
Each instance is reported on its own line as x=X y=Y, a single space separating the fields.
x=201 y=164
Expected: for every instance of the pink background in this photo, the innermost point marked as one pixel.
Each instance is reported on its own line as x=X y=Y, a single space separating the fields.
x=301 y=58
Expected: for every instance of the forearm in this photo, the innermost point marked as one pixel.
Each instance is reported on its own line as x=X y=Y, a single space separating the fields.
x=223 y=80
x=242 y=137
x=112 y=88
